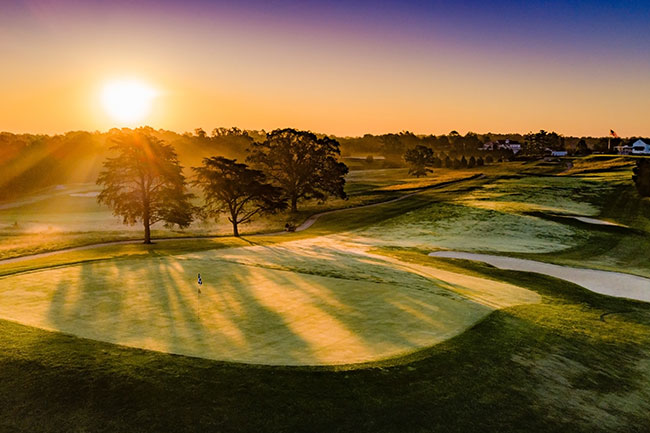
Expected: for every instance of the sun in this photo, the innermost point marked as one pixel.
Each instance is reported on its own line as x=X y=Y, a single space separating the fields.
x=127 y=101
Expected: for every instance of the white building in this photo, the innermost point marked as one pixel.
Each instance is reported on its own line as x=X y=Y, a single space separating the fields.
x=507 y=144
x=624 y=149
x=640 y=147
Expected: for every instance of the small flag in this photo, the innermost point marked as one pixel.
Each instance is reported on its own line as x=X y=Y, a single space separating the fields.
x=613 y=133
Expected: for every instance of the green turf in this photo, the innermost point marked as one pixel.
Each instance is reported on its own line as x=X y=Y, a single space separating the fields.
x=576 y=362
x=63 y=218
x=550 y=367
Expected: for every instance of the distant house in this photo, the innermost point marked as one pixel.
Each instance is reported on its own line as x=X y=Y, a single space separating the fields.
x=640 y=147
x=624 y=150
x=506 y=144
x=551 y=152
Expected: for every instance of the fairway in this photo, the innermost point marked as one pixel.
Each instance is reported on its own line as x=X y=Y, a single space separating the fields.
x=324 y=217
x=311 y=302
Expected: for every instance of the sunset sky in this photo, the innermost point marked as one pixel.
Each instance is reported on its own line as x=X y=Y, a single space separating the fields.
x=576 y=67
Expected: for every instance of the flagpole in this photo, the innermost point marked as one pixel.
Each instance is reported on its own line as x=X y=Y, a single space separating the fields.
x=198 y=298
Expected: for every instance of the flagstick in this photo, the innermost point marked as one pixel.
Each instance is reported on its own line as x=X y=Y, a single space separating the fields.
x=198 y=298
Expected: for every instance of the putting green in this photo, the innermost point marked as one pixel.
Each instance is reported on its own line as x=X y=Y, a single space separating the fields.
x=311 y=302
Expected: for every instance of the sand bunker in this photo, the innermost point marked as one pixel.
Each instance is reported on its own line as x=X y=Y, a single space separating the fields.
x=607 y=283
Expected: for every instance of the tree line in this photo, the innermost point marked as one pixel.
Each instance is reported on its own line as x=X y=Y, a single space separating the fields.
x=145 y=182
x=31 y=162
x=421 y=161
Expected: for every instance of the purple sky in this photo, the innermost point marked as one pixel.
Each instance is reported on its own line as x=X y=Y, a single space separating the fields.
x=578 y=67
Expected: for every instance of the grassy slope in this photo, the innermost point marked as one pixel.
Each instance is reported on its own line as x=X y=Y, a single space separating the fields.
x=57 y=220
x=283 y=306
x=606 y=247
x=550 y=367
x=565 y=365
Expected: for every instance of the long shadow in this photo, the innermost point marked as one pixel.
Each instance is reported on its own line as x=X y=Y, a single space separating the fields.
x=253 y=318
x=89 y=304
x=344 y=308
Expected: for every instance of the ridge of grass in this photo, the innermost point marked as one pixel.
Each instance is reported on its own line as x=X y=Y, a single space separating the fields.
x=556 y=366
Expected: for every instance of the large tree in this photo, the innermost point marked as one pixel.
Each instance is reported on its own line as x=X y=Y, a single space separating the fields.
x=237 y=190
x=537 y=143
x=145 y=183
x=420 y=160
x=300 y=163
x=641 y=177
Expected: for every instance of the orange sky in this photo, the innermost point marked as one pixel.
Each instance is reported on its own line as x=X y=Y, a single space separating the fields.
x=232 y=69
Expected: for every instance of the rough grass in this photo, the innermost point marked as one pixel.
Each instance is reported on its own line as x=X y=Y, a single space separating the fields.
x=497 y=212
x=58 y=219
x=536 y=368
x=577 y=362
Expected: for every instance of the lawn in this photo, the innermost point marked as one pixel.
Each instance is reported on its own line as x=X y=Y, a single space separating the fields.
x=69 y=215
x=294 y=304
x=365 y=331
x=567 y=364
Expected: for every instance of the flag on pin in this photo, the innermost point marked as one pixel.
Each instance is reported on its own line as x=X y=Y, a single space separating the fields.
x=200 y=283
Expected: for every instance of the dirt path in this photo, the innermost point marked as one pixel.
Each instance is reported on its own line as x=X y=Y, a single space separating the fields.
x=615 y=284
x=304 y=226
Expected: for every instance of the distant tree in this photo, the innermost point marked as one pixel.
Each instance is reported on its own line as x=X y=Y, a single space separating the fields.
x=471 y=163
x=145 y=183
x=392 y=147
x=199 y=132
x=229 y=132
x=456 y=164
x=442 y=142
x=237 y=190
x=480 y=162
x=536 y=143
x=219 y=132
x=471 y=142
x=300 y=163
x=370 y=159
x=463 y=162
x=420 y=160
x=581 y=148
x=437 y=162
x=448 y=162
x=489 y=159
x=641 y=177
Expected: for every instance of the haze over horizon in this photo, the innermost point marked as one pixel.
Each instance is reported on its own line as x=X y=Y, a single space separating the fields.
x=578 y=68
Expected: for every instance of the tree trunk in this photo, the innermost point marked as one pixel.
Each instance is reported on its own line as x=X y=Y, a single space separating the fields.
x=294 y=204
x=146 y=221
x=233 y=220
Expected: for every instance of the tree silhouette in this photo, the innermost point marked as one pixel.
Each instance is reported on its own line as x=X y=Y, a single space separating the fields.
x=234 y=188
x=300 y=163
x=641 y=177
x=145 y=183
x=420 y=160
x=537 y=143
x=582 y=148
